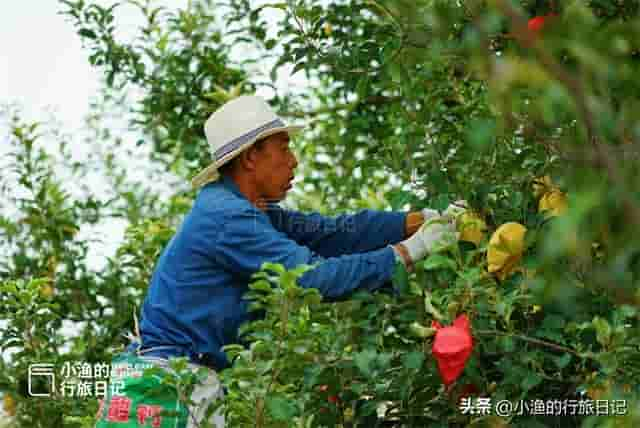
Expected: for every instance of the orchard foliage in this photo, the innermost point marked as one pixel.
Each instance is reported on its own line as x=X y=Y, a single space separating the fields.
x=412 y=104
x=178 y=63
x=54 y=307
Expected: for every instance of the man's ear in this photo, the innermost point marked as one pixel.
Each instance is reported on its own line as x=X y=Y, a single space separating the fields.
x=248 y=158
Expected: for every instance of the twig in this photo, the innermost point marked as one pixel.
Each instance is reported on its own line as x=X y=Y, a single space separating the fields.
x=540 y=342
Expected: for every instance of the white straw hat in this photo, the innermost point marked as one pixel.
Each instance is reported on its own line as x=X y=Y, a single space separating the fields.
x=234 y=127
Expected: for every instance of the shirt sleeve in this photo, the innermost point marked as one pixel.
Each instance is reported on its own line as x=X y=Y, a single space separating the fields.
x=248 y=239
x=363 y=231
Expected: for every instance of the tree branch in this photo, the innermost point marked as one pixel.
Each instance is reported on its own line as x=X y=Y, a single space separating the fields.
x=539 y=342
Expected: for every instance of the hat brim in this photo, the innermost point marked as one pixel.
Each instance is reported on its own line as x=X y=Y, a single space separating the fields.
x=210 y=173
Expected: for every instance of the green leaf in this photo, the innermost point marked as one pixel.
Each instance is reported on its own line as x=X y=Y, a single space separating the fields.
x=623 y=312
x=362 y=87
x=507 y=343
x=264 y=367
x=178 y=364
x=364 y=361
x=301 y=269
x=281 y=408
x=400 y=278
x=396 y=71
x=85 y=32
x=553 y=322
x=608 y=362
x=530 y=381
x=233 y=349
x=552 y=327
x=369 y=408
x=413 y=360
x=311 y=375
x=429 y=308
x=153 y=371
x=421 y=331
x=562 y=361
x=603 y=330
x=383 y=360
x=281 y=6
x=438 y=261
x=261 y=285
x=398 y=198
x=481 y=134
x=276 y=267
x=299 y=66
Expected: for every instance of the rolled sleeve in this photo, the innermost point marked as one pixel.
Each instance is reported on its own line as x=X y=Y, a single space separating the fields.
x=363 y=231
x=248 y=239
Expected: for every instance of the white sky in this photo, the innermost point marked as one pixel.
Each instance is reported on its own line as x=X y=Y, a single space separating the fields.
x=42 y=64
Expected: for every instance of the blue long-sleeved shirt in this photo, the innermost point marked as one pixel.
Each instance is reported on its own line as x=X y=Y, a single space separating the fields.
x=195 y=299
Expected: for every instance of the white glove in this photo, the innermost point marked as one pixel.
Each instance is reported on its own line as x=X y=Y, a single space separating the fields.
x=428 y=214
x=455 y=209
x=434 y=234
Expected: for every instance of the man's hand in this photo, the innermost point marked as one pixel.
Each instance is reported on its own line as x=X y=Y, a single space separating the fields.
x=429 y=237
x=415 y=222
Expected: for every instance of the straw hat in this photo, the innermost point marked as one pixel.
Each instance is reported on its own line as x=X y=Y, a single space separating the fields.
x=234 y=127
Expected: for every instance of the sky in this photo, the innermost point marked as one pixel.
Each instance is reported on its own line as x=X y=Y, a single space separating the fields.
x=42 y=65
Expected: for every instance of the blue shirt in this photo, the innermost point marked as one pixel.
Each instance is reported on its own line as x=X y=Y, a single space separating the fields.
x=195 y=299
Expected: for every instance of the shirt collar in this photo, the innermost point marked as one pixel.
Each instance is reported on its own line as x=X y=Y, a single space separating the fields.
x=231 y=185
x=228 y=183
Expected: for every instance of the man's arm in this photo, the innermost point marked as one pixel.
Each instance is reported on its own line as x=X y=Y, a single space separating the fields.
x=345 y=234
x=248 y=239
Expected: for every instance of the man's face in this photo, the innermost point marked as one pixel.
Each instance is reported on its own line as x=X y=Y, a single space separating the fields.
x=274 y=167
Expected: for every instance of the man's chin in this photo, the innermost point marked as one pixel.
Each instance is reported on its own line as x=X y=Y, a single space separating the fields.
x=275 y=198
x=286 y=190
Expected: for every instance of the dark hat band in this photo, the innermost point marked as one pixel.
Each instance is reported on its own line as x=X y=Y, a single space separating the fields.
x=245 y=138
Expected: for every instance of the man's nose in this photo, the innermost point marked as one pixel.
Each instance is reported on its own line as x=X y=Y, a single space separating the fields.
x=294 y=161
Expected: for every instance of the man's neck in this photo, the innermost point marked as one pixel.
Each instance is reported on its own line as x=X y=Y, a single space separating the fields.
x=248 y=190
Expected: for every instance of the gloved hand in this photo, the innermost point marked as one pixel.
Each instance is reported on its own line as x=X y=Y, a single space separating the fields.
x=428 y=213
x=455 y=209
x=434 y=233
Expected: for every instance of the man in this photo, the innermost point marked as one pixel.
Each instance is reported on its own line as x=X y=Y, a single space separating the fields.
x=195 y=304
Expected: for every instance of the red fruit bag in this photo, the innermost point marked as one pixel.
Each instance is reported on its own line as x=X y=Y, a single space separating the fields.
x=537 y=23
x=452 y=348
